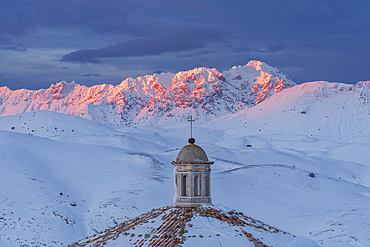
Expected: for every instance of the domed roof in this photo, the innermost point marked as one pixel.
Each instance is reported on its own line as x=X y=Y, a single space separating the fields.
x=192 y=154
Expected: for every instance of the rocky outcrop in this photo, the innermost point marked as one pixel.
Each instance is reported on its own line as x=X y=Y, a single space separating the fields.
x=202 y=92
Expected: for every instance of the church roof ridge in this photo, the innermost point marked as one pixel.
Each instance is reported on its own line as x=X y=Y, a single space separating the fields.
x=171 y=226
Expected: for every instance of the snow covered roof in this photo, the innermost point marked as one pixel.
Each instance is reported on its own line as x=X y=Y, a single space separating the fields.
x=192 y=154
x=193 y=226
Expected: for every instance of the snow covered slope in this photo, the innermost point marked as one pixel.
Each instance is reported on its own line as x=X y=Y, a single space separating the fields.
x=48 y=188
x=205 y=93
x=319 y=109
x=62 y=127
x=57 y=189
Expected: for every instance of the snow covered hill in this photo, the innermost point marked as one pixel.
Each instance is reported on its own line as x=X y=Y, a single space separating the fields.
x=203 y=92
x=60 y=188
x=319 y=109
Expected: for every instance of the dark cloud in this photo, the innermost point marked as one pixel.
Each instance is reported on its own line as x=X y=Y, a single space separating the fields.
x=199 y=53
x=18 y=17
x=13 y=48
x=240 y=49
x=270 y=48
x=158 y=72
x=6 y=44
x=308 y=40
x=261 y=47
x=316 y=45
x=175 y=37
x=96 y=75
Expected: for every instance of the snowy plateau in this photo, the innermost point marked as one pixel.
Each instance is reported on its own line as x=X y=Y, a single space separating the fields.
x=77 y=160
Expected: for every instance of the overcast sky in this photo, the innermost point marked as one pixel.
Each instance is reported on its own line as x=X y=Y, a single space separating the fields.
x=94 y=42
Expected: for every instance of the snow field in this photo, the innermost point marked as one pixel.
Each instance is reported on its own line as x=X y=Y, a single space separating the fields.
x=60 y=186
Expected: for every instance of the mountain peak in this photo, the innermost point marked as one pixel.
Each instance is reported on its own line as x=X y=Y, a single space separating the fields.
x=202 y=92
x=255 y=64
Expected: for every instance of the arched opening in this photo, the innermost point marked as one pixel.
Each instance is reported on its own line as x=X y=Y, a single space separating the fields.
x=207 y=184
x=196 y=185
x=184 y=189
x=176 y=186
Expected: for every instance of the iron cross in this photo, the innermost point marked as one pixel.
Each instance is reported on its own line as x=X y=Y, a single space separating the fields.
x=191 y=120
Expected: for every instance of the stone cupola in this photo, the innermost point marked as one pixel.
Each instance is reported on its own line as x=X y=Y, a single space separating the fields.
x=192 y=177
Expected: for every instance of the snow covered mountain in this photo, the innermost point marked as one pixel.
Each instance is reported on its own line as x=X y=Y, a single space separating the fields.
x=159 y=98
x=64 y=178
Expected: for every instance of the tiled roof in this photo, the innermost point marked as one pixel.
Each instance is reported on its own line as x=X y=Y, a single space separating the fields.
x=190 y=226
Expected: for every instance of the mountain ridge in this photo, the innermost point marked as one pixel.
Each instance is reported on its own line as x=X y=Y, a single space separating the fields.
x=151 y=99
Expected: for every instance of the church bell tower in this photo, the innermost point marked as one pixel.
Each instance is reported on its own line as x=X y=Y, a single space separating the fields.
x=192 y=176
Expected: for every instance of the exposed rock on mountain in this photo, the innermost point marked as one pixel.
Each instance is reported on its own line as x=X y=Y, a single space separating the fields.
x=205 y=93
